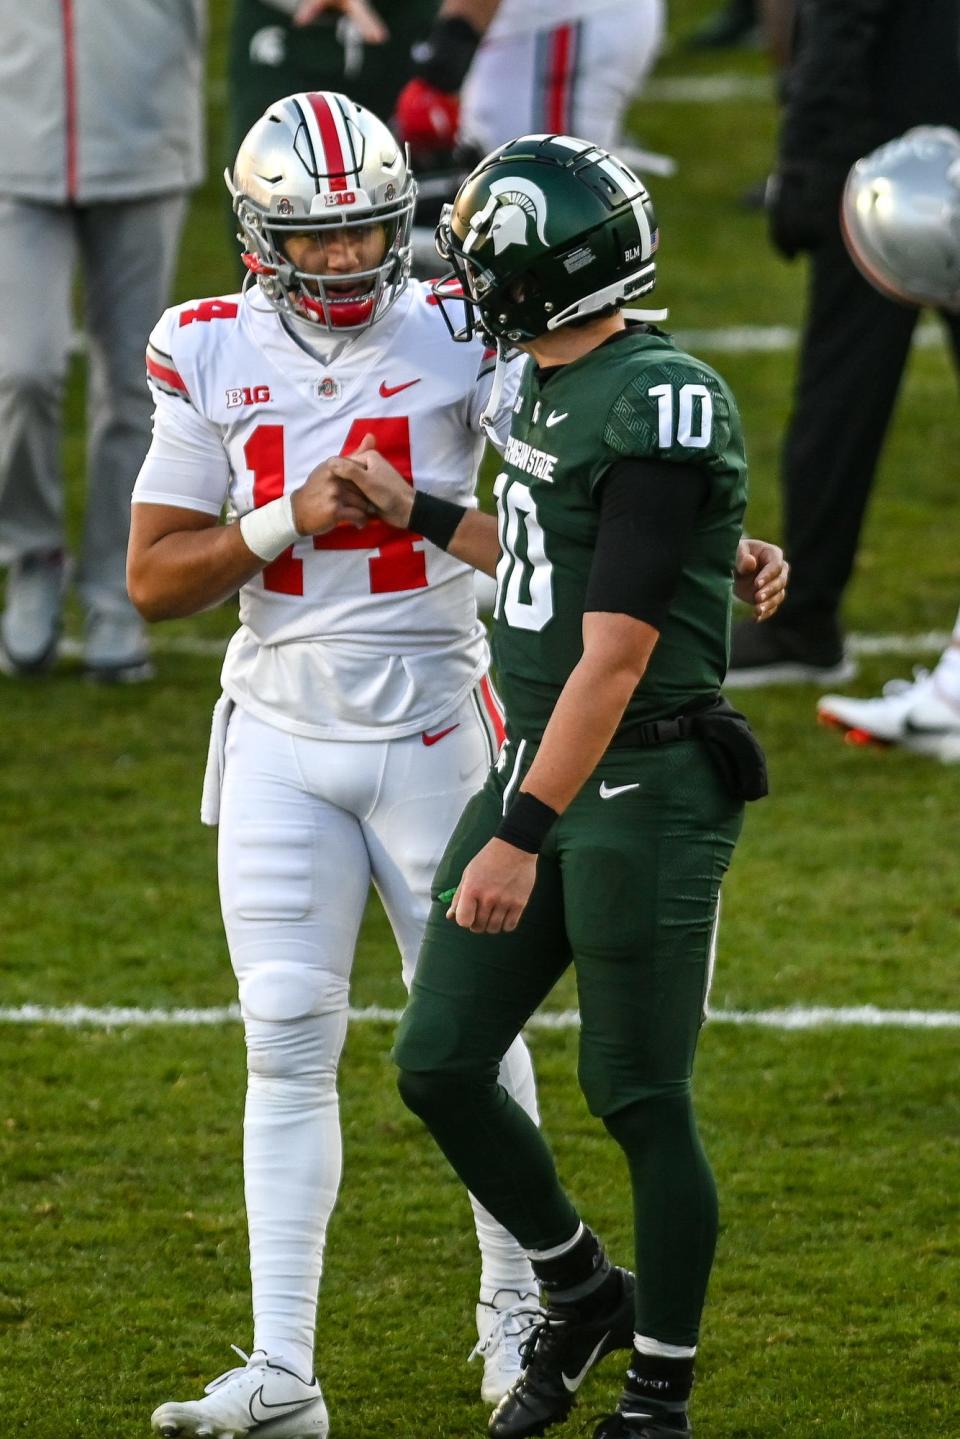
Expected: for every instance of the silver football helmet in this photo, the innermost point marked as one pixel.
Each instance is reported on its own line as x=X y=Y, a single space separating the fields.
x=900 y=217
x=312 y=162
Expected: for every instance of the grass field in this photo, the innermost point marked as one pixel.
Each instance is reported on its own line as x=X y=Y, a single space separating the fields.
x=833 y=1308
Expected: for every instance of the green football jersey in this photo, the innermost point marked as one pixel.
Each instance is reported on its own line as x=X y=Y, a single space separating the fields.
x=637 y=396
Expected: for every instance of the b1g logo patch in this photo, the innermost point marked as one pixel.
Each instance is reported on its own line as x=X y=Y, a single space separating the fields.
x=340 y=197
x=248 y=395
x=328 y=388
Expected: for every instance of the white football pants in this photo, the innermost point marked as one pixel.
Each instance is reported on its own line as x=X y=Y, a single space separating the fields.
x=305 y=825
x=573 y=79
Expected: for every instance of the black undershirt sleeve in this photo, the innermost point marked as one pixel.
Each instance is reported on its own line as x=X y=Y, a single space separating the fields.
x=648 y=513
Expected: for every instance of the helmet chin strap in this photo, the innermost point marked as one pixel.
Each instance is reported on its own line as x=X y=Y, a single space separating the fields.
x=495 y=395
x=653 y=317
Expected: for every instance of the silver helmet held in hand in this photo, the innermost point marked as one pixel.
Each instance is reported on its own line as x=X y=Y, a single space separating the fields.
x=900 y=217
x=317 y=163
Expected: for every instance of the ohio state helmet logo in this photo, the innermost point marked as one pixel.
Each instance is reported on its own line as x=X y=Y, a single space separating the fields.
x=513 y=202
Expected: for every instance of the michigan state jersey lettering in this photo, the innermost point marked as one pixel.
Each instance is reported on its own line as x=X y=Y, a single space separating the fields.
x=529 y=459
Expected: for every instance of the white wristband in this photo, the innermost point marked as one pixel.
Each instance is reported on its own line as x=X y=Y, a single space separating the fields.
x=271 y=529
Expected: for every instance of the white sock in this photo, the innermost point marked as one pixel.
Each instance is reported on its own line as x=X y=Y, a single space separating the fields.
x=504 y=1265
x=292 y=1160
x=653 y=1347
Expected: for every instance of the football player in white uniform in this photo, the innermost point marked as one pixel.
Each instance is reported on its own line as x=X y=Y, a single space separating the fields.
x=556 y=66
x=560 y=66
x=357 y=716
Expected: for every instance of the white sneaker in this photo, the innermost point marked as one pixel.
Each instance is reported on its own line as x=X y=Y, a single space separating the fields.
x=262 y=1398
x=502 y=1328
x=917 y=716
x=30 y=626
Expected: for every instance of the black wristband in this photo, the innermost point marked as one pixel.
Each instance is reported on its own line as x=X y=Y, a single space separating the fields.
x=443 y=59
x=434 y=518
x=526 y=823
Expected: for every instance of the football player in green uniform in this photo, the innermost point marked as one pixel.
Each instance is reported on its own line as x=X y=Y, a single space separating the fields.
x=602 y=835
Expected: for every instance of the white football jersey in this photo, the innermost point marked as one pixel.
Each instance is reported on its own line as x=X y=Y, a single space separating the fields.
x=517 y=17
x=355 y=634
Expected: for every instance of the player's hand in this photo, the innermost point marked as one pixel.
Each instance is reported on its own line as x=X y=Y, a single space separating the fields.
x=494 y=889
x=761 y=577
x=365 y=19
x=326 y=500
x=387 y=493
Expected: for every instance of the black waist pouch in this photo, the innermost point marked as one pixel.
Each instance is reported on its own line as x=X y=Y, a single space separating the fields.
x=725 y=734
x=733 y=748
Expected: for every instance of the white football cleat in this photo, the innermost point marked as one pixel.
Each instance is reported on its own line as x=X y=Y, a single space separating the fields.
x=502 y=1328
x=261 y=1398
x=915 y=715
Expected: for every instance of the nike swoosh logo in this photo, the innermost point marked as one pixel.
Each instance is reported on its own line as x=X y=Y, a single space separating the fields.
x=608 y=791
x=573 y=1384
x=441 y=734
x=554 y=419
x=275 y=1411
x=388 y=390
x=933 y=731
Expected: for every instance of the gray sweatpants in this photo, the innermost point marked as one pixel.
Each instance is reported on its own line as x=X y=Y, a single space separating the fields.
x=126 y=252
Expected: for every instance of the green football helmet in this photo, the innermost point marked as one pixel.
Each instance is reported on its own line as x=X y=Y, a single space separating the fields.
x=547 y=229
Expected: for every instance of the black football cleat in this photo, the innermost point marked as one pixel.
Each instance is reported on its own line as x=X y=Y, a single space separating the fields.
x=774 y=654
x=558 y=1356
x=631 y=1422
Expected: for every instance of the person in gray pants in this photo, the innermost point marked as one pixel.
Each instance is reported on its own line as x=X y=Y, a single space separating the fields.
x=103 y=138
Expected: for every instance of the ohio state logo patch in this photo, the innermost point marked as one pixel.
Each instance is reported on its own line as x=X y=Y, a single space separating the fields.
x=328 y=388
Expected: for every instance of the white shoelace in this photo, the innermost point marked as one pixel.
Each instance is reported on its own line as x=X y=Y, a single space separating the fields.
x=509 y=1323
x=229 y=1373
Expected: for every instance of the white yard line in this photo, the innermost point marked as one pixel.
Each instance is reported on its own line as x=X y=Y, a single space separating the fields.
x=776 y=339
x=734 y=339
x=929 y=642
x=866 y=1016
x=672 y=89
x=707 y=89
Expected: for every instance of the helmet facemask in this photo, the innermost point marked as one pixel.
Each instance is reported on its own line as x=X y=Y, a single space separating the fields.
x=306 y=295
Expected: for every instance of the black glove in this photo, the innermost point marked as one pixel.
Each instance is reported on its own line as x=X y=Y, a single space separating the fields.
x=443 y=59
x=803 y=207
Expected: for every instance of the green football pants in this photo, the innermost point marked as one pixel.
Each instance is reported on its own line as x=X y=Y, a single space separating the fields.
x=627 y=890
